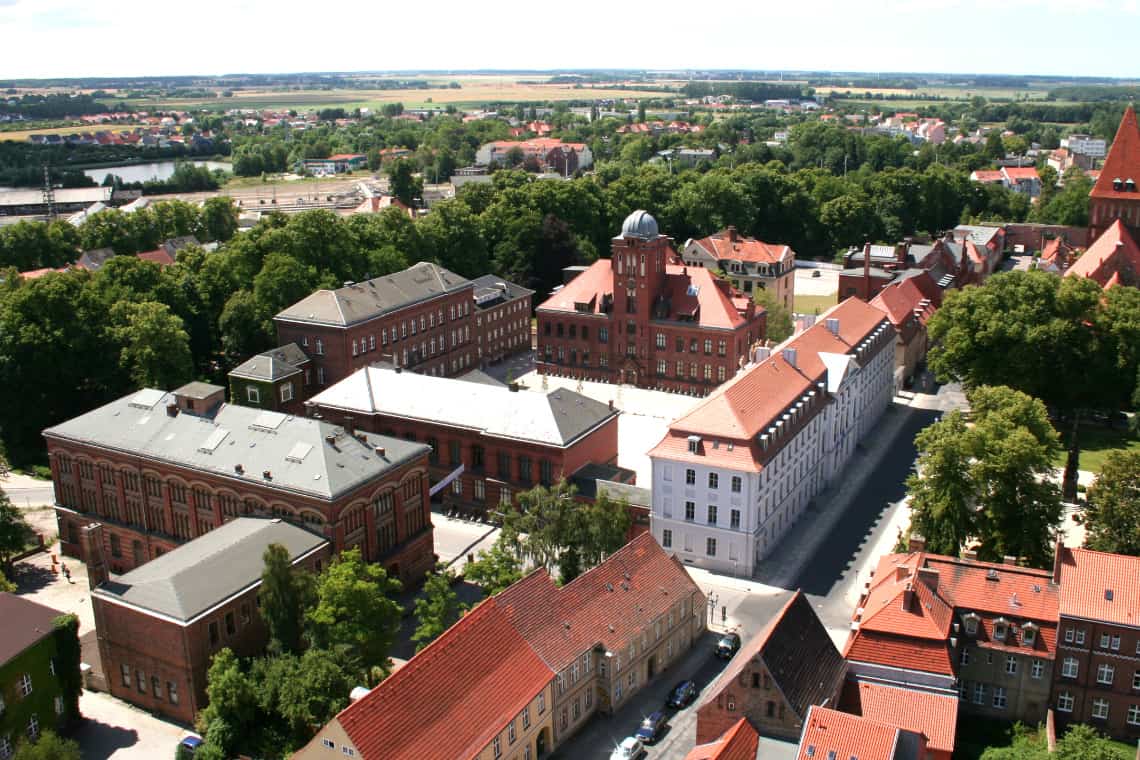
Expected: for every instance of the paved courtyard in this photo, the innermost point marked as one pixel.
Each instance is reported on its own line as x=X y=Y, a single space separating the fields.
x=826 y=284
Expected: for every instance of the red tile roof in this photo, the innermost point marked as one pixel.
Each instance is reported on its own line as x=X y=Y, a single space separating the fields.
x=159 y=256
x=1088 y=577
x=830 y=733
x=935 y=716
x=415 y=715
x=986 y=175
x=608 y=605
x=1014 y=173
x=728 y=244
x=35 y=274
x=737 y=743
x=750 y=402
x=917 y=296
x=1122 y=161
x=1112 y=253
x=904 y=652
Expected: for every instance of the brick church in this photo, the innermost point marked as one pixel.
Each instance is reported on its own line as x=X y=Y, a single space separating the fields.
x=642 y=318
x=1115 y=195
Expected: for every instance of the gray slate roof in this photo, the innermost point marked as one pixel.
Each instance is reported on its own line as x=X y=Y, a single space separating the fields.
x=22 y=623
x=272 y=365
x=555 y=418
x=185 y=582
x=492 y=290
x=94 y=260
x=292 y=449
x=369 y=299
x=198 y=390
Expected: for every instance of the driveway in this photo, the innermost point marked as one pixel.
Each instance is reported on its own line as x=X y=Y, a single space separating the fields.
x=115 y=729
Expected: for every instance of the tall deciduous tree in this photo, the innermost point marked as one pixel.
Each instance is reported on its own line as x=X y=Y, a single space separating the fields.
x=219 y=219
x=14 y=532
x=779 y=318
x=283 y=597
x=155 y=347
x=494 y=569
x=50 y=746
x=403 y=183
x=1112 y=518
x=355 y=616
x=942 y=492
x=437 y=608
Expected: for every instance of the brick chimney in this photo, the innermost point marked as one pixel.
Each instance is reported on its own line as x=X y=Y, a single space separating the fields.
x=908 y=598
x=91 y=543
x=867 y=271
x=916 y=543
x=730 y=233
x=1058 y=550
x=928 y=576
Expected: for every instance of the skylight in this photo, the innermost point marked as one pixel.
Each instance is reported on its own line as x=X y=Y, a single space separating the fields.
x=213 y=441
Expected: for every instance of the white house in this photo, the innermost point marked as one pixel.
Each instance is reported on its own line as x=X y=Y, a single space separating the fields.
x=731 y=476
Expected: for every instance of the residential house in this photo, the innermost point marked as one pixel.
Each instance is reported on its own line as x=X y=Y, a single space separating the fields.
x=1057 y=255
x=551 y=154
x=733 y=475
x=487 y=443
x=34 y=696
x=159 y=625
x=737 y=743
x=611 y=631
x=909 y=303
x=1022 y=179
x=984 y=633
x=1114 y=196
x=158 y=469
x=749 y=264
x=776 y=677
x=636 y=318
x=932 y=716
x=1097 y=676
x=276 y=379
x=832 y=734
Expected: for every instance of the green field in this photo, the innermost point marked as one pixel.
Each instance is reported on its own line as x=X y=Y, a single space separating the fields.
x=813 y=304
x=1096 y=444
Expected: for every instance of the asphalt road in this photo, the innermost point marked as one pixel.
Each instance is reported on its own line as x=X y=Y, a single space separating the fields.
x=826 y=555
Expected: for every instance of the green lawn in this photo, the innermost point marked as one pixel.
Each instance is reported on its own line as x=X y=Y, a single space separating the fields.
x=1096 y=442
x=813 y=304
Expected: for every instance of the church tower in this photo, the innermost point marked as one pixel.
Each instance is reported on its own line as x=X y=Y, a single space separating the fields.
x=1115 y=195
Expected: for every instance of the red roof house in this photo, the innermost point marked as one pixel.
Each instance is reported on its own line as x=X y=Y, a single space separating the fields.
x=737 y=743
x=1112 y=259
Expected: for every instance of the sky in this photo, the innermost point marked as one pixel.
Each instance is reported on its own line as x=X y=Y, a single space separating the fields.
x=72 y=38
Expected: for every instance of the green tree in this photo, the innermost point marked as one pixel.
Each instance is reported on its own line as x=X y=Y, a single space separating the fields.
x=354 y=616
x=283 y=597
x=494 y=569
x=219 y=219
x=50 y=746
x=65 y=628
x=242 y=327
x=1112 y=518
x=232 y=720
x=155 y=346
x=14 y=532
x=779 y=319
x=300 y=692
x=942 y=493
x=403 y=183
x=451 y=233
x=437 y=608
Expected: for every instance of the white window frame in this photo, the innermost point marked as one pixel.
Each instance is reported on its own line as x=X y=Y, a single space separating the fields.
x=286 y=392
x=252 y=394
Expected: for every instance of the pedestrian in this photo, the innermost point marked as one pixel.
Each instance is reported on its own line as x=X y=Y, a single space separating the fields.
x=67 y=574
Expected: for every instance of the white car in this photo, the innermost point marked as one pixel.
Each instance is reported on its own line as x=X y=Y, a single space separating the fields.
x=629 y=749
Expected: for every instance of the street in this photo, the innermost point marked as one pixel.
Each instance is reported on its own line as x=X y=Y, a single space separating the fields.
x=827 y=554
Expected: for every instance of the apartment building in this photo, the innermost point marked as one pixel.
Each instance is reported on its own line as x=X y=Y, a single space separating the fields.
x=734 y=474
x=749 y=264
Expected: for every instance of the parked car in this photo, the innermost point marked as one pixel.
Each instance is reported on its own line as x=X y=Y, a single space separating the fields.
x=682 y=695
x=629 y=749
x=189 y=745
x=727 y=646
x=652 y=727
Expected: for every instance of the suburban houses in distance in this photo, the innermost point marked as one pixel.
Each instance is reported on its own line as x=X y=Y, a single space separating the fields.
x=550 y=154
x=641 y=319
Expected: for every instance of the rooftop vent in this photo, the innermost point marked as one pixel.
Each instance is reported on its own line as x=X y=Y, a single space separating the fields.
x=1108 y=595
x=239 y=469
x=991 y=574
x=833 y=326
x=790 y=356
x=381 y=451
x=267 y=474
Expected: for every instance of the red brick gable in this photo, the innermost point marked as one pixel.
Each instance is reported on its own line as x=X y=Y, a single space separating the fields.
x=1112 y=255
x=737 y=743
x=454 y=697
x=1122 y=161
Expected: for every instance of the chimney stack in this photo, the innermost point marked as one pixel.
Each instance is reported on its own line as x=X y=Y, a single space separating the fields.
x=790 y=356
x=1058 y=550
x=348 y=426
x=928 y=576
x=908 y=598
x=916 y=543
x=731 y=233
x=91 y=543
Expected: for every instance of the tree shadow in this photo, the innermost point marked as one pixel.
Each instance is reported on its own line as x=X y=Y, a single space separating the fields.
x=100 y=741
x=31 y=578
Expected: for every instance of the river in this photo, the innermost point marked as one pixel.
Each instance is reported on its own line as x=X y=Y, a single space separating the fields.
x=144 y=172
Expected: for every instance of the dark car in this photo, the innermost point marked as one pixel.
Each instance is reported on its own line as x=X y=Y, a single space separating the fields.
x=727 y=646
x=682 y=695
x=651 y=728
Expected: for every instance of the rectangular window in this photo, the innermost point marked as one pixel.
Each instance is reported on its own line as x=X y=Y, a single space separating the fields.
x=661 y=341
x=714 y=480
x=172 y=692
x=140 y=681
x=231 y=626
x=999 y=697
x=1080 y=635
x=1105 y=673
x=1069 y=667
x=690 y=477
x=1037 y=669
x=546 y=472
x=712 y=514
x=734 y=519
x=1010 y=664
x=214 y=636
x=603 y=335
x=125 y=673
x=737 y=483
x=979 y=693
x=287 y=392
x=1100 y=708
x=710 y=547
x=156 y=687
x=1065 y=702
x=252 y=395
x=690 y=511
x=666 y=538
x=708 y=346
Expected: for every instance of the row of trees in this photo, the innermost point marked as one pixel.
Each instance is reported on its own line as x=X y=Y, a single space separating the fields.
x=327 y=633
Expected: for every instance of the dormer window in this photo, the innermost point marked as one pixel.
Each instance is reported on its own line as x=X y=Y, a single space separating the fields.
x=1001 y=628
x=971 y=624
x=1029 y=634
x=694 y=444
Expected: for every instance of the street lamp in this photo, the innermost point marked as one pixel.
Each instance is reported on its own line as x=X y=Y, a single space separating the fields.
x=712 y=608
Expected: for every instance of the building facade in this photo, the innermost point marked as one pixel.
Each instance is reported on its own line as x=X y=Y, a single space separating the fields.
x=425 y=319
x=33 y=694
x=749 y=264
x=909 y=303
x=776 y=677
x=158 y=626
x=1096 y=679
x=277 y=379
x=158 y=469
x=636 y=318
x=735 y=473
x=487 y=443
x=1114 y=195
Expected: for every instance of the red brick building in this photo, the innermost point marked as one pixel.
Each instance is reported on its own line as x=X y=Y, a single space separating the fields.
x=776 y=677
x=487 y=442
x=159 y=625
x=1097 y=677
x=1115 y=196
x=425 y=318
x=1113 y=259
x=637 y=318
x=158 y=469
x=909 y=303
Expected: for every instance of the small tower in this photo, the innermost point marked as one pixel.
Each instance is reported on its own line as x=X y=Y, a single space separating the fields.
x=639 y=257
